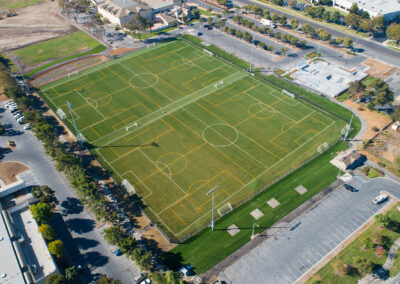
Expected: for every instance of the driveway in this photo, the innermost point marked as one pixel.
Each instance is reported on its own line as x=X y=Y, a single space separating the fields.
x=297 y=248
x=84 y=244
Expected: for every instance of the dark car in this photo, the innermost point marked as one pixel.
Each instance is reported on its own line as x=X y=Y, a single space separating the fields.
x=350 y=188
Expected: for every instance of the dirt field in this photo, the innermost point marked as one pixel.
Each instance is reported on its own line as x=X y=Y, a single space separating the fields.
x=120 y=51
x=8 y=171
x=386 y=145
x=372 y=118
x=379 y=69
x=62 y=71
x=32 y=24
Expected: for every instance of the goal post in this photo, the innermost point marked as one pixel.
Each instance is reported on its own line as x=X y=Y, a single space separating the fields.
x=289 y=94
x=61 y=114
x=128 y=186
x=225 y=209
x=323 y=147
x=130 y=126
x=218 y=84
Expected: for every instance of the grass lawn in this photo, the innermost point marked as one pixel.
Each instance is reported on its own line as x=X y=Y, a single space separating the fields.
x=14 y=4
x=53 y=49
x=355 y=249
x=144 y=36
x=313 y=55
x=174 y=122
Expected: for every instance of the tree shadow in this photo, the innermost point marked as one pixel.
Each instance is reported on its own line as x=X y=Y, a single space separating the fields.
x=4 y=151
x=96 y=259
x=173 y=261
x=85 y=243
x=80 y=226
x=72 y=205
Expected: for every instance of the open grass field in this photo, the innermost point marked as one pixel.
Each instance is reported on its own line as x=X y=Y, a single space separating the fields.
x=176 y=122
x=75 y=43
x=14 y=4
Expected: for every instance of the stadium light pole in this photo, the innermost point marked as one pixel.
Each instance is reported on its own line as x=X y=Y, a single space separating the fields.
x=73 y=119
x=348 y=129
x=212 y=211
x=251 y=56
x=22 y=74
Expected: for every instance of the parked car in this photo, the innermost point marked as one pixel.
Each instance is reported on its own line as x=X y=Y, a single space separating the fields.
x=350 y=188
x=380 y=198
x=11 y=143
x=17 y=116
x=27 y=127
x=21 y=120
x=15 y=109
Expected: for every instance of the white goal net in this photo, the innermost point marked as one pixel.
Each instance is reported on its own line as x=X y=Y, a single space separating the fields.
x=61 y=114
x=128 y=187
x=218 y=84
x=323 y=147
x=225 y=209
x=130 y=126
x=289 y=94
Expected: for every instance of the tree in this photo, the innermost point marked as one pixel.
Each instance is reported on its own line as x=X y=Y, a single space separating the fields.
x=47 y=232
x=347 y=42
x=383 y=97
x=56 y=248
x=71 y=273
x=354 y=9
x=127 y=245
x=292 y=3
x=41 y=212
x=376 y=237
x=2 y=130
x=334 y=17
x=105 y=280
x=366 y=242
x=378 y=22
x=55 y=279
x=275 y=18
x=339 y=268
x=326 y=16
x=364 y=15
x=45 y=194
x=145 y=261
x=172 y=277
x=352 y=20
x=377 y=84
x=393 y=32
x=284 y=50
x=138 y=23
x=363 y=264
x=209 y=21
x=366 y=25
x=294 y=23
x=220 y=24
x=355 y=87
x=323 y=34
x=395 y=116
x=113 y=235
x=283 y=20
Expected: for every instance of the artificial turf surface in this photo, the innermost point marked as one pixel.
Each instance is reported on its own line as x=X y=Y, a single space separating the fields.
x=158 y=119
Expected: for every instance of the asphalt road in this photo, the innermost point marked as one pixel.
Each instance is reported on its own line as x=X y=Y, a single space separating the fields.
x=84 y=244
x=371 y=48
x=297 y=248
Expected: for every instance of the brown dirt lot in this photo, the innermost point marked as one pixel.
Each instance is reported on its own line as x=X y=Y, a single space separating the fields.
x=386 y=145
x=8 y=171
x=379 y=69
x=373 y=119
x=32 y=24
x=121 y=50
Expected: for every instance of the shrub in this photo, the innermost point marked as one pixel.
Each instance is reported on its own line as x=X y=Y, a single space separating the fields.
x=379 y=251
x=47 y=232
x=339 y=268
x=374 y=128
x=56 y=248
x=381 y=164
x=41 y=212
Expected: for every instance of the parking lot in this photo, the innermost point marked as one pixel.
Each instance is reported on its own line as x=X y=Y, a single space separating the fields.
x=297 y=248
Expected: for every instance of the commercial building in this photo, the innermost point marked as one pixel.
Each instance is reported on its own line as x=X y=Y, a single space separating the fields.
x=387 y=8
x=120 y=12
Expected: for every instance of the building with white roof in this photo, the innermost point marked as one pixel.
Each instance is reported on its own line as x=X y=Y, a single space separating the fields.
x=387 y=8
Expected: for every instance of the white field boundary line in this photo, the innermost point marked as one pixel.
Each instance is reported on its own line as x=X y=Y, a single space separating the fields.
x=169 y=177
x=161 y=220
x=162 y=112
x=107 y=64
x=240 y=189
x=88 y=104
x=141 y=182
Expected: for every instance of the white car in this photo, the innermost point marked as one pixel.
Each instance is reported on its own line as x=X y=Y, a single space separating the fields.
x=27 y=127
x=17 y=116
x=9 y=103
x=12 y=106
x=380 y=198
x=21 y=120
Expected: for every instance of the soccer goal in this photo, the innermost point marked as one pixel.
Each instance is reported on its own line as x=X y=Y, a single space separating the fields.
x=130 y=126
x=289 y=94
x=225 y=209
x=61 y=114
x=323 y=147
x=345 y=129
x=219 y=84
x=128 y=186
x=73 y=73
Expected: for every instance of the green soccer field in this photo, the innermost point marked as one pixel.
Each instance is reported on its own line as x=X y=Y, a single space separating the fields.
x=175 y=122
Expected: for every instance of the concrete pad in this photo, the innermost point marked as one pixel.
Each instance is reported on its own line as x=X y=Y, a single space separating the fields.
x=273 y=202
x=257 y=214
x=301 y=189
x=233 y=230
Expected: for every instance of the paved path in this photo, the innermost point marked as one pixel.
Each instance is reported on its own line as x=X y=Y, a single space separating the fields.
x=84 y=244
x=310 y=237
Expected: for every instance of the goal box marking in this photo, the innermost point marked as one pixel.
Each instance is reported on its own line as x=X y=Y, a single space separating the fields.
x=128 y=186
x=225 y=209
